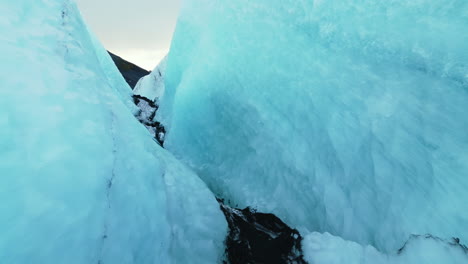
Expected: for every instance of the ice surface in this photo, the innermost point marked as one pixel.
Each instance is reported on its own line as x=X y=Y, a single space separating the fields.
x=346 y=117
x=111 y=72
x=327 y=249
x=81 y=180
x=152 y=86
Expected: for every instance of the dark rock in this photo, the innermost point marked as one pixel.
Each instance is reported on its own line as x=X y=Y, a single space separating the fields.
x=137 y=98
x=258 y=238
x=131 y=72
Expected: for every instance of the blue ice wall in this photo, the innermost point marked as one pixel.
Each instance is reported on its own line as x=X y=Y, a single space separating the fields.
x=81 y=181
x=342 y=116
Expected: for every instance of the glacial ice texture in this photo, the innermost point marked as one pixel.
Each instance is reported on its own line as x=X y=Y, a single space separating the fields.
x=81 y=180
x=347 y=117
x=327 y=249
x=151 y=86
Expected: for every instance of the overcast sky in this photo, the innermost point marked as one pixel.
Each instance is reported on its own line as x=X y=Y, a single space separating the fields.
x=137 y=30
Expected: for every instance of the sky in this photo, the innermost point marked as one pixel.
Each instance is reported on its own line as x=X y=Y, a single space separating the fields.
x=139 y=31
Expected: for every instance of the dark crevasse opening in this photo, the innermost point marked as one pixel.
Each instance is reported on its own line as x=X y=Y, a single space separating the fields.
x=256 y=238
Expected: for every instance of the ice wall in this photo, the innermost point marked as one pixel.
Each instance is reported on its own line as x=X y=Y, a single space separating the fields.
x=340 y=116
x=81 y=181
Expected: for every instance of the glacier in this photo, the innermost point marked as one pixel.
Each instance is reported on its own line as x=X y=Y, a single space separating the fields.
x=81 y=180
x=346 y=117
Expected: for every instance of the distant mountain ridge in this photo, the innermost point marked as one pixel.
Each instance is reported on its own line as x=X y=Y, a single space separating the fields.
x=131 y=72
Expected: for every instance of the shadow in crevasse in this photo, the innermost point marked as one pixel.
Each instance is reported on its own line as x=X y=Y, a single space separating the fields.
x=258 y=238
